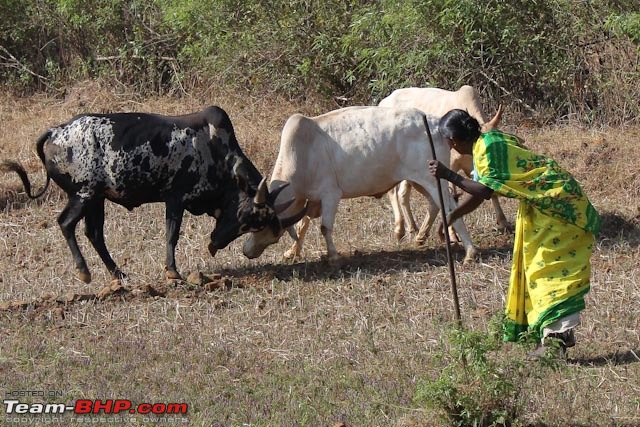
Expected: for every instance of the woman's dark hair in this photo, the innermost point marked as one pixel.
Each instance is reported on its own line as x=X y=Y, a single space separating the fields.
x=458 y=124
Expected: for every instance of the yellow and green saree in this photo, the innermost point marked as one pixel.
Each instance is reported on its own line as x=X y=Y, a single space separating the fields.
x=555 y=229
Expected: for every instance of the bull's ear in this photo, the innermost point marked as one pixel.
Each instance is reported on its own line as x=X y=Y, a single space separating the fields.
x=240 y=174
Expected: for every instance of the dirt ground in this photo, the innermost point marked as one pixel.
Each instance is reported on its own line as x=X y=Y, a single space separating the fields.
x=275 y=342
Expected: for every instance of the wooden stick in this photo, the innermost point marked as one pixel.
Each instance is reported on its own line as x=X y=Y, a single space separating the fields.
x=452 y=273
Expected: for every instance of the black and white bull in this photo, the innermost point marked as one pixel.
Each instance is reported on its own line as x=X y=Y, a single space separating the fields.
x=191 y=162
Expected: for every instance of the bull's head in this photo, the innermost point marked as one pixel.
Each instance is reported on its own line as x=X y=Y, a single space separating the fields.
x=260 y=240
x=253 y=215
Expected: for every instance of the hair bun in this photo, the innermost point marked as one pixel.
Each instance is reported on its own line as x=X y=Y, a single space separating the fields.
x=460 y=125
x=471 y=124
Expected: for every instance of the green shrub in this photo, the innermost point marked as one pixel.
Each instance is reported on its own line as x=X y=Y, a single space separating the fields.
x=552 y=59
x=478 y=385
x=472 y=390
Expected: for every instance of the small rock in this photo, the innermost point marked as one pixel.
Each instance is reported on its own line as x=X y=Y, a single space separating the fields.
x=212 y=286
x=153 y=292
x=18 y=304
x=197 y=278
x=116 y=286
x=173 y=282
x=105 y=292
x=219 y=283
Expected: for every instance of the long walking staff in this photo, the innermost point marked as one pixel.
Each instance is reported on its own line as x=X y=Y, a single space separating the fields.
x=452 y=273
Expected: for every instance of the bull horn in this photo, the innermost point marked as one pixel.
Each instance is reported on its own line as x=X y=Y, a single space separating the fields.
x=261 y=196
x=495 y=121
x=281 y=207
x=289 y=221
x=273 y=195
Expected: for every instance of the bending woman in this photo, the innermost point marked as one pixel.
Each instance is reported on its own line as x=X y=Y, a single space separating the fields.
x=555 y=229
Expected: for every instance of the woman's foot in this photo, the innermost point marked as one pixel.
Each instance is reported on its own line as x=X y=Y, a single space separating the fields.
x=553 y=346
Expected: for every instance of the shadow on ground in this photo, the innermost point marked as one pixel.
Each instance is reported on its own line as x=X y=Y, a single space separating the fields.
x=615 y=229
x=616 y=359
x=373 y=263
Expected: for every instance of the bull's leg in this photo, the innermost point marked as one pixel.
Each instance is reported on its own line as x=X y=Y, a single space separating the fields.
x=404 y=199
x=94 y=230
x=68 y=219
x=173 y=217
x=463 y=233
x=398 y=221
x=459 y=226
x=329 y=211
x=501 y=219
x=456 y=193
x=461 y=230
x=429 y=219
x=296 y=248
x=314 y=210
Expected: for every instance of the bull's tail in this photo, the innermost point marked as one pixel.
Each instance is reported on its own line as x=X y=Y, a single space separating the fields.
x=8 y=166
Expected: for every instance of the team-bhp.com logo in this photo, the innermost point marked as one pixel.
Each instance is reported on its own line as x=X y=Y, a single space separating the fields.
x=86 y=407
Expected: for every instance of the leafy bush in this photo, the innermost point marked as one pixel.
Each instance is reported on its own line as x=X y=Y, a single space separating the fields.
x=627 y=24
x=476 y=387
x=472 y=389
x=551 y=59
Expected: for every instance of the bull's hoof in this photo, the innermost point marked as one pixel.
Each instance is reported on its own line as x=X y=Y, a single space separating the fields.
x=333 y=259
x=294 y=251
x=505 y=228
x=470 y=258
x=399 y=233
x=85 y=276
x=172 y=274
x=118 y=275
x=291 y=254
x=212 y=249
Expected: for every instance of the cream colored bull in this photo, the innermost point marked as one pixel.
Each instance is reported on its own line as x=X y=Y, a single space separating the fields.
x=354 y=152
x=436 y=102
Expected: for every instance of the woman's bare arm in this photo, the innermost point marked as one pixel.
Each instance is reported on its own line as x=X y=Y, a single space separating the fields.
x=474 y=188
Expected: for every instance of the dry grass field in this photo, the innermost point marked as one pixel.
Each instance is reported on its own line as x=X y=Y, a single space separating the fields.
x=276 y=343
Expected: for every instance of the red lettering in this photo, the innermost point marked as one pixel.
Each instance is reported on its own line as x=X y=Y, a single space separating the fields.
x=158 y=408
x=121 y=405
x=106 y=406
x=109 y=406
x=177 y=408
x=83 y=406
